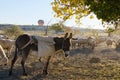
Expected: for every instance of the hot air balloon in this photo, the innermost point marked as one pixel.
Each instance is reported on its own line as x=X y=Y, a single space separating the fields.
x=40 y=22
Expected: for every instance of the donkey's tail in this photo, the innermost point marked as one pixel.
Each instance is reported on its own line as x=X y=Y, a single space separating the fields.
x=16 y=52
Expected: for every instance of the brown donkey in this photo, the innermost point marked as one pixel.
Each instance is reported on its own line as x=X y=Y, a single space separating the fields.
x=44 y=46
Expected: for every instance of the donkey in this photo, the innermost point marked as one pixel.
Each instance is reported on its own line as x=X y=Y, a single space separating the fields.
x=3 y=56
x=7 y=44
x=45 y=46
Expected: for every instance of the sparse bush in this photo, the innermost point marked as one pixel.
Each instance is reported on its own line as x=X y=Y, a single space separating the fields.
x=13 y=31
x=56 y=27
x=109 y=31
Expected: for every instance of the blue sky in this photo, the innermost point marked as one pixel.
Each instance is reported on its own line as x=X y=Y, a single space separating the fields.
x=28 y=12
x=25 y=11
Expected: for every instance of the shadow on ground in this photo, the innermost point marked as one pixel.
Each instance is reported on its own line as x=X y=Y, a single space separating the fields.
x=17 y=72
x=117 y=49
x=80 y=51
x=106 y=51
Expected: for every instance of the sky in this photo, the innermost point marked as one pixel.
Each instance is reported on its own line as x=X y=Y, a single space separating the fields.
x=28 y=12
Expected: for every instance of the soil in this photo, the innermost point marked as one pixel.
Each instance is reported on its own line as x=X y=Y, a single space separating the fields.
x=102 y=63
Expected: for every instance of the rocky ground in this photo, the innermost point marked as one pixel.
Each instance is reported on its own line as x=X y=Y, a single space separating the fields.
x=103 y=63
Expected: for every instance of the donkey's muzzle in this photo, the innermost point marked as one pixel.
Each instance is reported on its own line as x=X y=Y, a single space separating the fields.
x=67 y=53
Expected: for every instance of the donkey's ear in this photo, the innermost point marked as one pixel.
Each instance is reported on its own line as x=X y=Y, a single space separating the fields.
x=66 y=35
x=70 y=36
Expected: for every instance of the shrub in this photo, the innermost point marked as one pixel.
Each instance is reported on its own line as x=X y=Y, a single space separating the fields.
x=13 y=31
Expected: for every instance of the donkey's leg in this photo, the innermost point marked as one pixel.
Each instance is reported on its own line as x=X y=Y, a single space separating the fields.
x=40 y=59
x=13 y=62
x=3 y=56
x=46 y=66
x=8 y=52
x=24 y=57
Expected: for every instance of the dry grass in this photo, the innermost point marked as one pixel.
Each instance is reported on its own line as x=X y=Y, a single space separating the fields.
x=77 y=66
x=101 y=64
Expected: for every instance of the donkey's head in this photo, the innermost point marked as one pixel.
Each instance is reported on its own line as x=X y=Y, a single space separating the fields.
x=63 y=43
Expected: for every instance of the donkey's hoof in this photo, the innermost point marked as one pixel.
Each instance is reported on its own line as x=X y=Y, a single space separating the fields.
x=10 y=74
x=5 y=64
x=45 y=72
x=24 y=74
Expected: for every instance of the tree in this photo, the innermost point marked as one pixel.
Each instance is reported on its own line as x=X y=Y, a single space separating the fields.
x=67 y=8
x=56 y=27
x=107 y=10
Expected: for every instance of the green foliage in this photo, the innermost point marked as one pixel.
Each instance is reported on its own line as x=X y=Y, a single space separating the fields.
x=107 y=10
x=13 y=31
x=66 y=8
x=56 y=27
x=109 y=30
